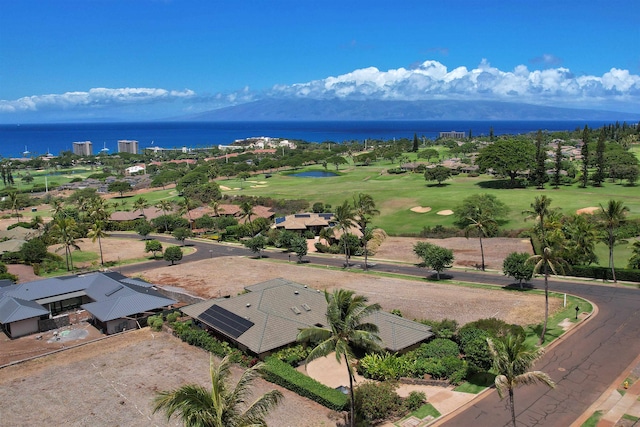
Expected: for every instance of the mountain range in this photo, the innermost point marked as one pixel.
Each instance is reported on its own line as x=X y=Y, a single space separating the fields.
x=354 y=110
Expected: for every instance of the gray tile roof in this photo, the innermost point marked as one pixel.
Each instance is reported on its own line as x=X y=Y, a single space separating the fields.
x=280 y=308
x=112 y=293
x=14 y=309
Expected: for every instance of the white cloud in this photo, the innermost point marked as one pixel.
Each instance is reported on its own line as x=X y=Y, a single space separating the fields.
x=432 y=80
x=96 y=97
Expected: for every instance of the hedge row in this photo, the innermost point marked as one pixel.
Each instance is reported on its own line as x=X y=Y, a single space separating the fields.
x=284 y=375
x=604 y=273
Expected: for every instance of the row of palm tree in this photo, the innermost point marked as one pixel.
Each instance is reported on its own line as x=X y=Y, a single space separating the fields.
x=360 y=213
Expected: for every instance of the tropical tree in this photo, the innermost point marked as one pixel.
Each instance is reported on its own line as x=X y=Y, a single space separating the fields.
x=539 y=211
x=181 y=234
x=634 y=261
x=256 y=244
x=438 y=173
x=512 y=361
x=507 y=157
x=186 y=205
x=222 y=406
x=173 y=254
x=298 y=244
x=246 y=212
x=153 y=246
x=347 y=329
x=548 y=260
x=97 y=232
x=611 y=217
x=165 y=206
x=140 y=205
x=65 y=232
x=433 y=256
x=345 y=219
x=119 y=187
x=515 y=265
x=364 y=208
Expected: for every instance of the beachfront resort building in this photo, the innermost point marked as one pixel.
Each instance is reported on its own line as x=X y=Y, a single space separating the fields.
x=84 y=148
x=128 y=146
x=453 y=134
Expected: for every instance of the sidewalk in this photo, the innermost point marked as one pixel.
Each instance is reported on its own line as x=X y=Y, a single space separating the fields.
x=617 y=401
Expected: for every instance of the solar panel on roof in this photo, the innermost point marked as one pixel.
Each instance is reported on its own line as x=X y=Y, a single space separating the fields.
x=302 y=216
x=326 y=215
x=280 y=220
x=226 y=321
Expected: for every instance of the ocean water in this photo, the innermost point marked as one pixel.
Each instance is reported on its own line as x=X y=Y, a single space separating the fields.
x=39 y=139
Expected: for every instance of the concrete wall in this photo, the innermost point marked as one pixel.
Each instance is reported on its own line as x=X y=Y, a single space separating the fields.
x=24 y=327
x=119 y=325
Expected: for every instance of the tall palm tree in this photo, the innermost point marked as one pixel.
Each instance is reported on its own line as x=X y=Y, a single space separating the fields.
x=512 y=361
x=246 y=210
x=65 y=231
x=186 y=204
x=539 y=211
x=546 y=261
x=481 y=223
x=346 y=329
x=98 y=209
x=140 y=205
x=364 y=208
x=345 y=219
x=611 y=217
x=97 y=233
x=165 y=206
x=222 y=406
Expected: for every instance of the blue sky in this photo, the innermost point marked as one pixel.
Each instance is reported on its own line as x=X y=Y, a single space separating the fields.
x=141 y=59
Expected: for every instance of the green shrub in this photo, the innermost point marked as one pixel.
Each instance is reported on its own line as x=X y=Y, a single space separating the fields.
x=604 y=273
x=280 y=373
x=155 y=322
x=376 y=401
x=385 y=366
x=173 y=316
x=292 y=355
x=444 y=329
x=438 y=348
x=415 y=400
x=496 y=327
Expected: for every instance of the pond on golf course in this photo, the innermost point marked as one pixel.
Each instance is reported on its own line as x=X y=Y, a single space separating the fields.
x=314 y=174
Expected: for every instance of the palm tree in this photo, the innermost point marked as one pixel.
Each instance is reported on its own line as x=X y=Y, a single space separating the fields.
x=346 y=313
x=186 y=204
x=13 y=201
x=246 y=209
x=345 y=219
x=610 y=218
x=97 y=233
x=64 y=232
x=140 y=205
x=222 y=405
x=364 y=209
x=98 y=209
x=512 y=361
x=165 y=206
x=481 y=223
x=548 y=260
x=539 y=211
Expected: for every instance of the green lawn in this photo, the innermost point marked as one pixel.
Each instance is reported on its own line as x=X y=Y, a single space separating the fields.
x=592 y=421
x=395 y=195
x=422 y=412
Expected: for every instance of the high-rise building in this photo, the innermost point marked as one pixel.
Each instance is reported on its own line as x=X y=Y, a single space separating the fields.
x=127 y=146
x=84 y=148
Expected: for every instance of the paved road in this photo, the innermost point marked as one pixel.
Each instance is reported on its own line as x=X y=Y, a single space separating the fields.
x=583 y=366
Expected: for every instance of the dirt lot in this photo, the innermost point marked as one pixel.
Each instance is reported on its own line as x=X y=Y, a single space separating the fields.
x=112 y=382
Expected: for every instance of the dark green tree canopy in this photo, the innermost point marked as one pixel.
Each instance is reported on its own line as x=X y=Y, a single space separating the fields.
x=438 y=173
x=507 y=157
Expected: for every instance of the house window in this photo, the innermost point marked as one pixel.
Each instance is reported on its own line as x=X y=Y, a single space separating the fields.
x=65 y=305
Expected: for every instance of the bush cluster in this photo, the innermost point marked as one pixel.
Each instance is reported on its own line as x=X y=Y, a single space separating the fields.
x=279 y=372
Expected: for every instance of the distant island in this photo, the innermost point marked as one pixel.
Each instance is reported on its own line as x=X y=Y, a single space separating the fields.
x=338 y=109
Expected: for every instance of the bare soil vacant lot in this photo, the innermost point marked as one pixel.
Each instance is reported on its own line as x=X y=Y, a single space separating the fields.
x=112 y=383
